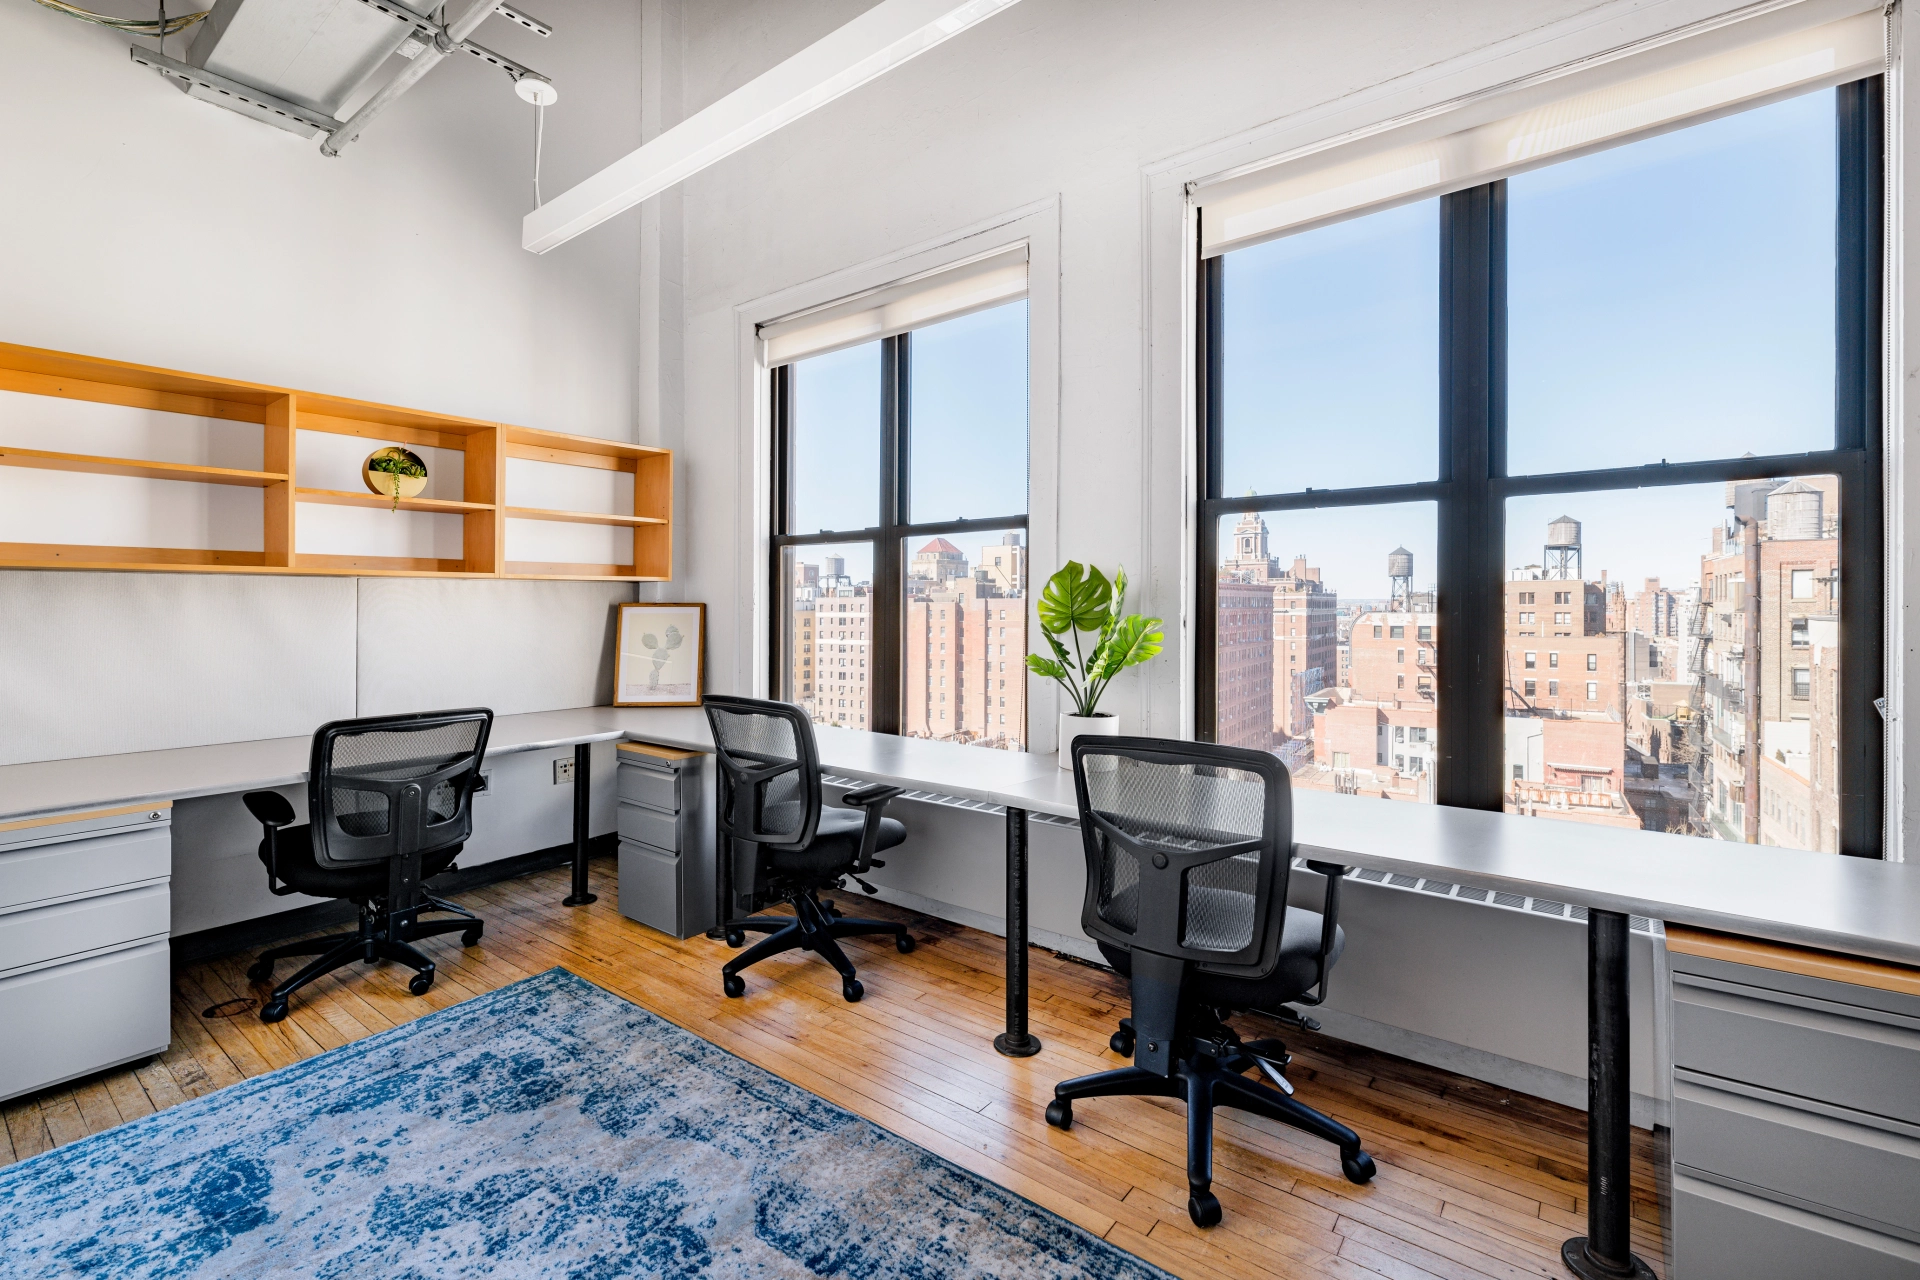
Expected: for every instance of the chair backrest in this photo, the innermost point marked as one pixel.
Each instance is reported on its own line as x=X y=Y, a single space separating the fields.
x=769 y=771
x=389 y=786
x=1188 y=847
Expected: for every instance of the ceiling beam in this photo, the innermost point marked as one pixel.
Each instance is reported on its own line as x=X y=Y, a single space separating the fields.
x=871 y=45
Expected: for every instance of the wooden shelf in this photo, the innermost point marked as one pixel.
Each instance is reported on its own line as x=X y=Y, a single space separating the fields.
x=48 y=461
x=282 y=414
x=580 y=517
x=348 y=498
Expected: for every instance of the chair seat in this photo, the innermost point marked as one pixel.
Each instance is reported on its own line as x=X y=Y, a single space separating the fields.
x=836 y=843
x=298 y=868
x=1293 y=973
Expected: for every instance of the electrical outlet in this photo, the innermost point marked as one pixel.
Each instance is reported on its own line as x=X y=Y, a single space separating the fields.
x=486 y=785
x=563 y=771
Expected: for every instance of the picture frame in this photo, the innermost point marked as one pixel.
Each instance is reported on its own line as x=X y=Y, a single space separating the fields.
x=659 y=655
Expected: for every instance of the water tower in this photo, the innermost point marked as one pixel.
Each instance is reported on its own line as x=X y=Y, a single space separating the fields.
x=1563 y=548
x=1400 y=573
x=1796 y=510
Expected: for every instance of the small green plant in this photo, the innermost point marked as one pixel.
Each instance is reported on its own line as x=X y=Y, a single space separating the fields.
x=397 y=463
x=1081 y=598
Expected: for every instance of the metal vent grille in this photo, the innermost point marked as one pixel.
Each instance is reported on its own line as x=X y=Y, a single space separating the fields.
x=1404 y=882
x=1436 y=886
x=1549 y=908
x=1513 y=900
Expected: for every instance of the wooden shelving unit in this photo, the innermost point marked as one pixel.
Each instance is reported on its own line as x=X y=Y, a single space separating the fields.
x=484 y=506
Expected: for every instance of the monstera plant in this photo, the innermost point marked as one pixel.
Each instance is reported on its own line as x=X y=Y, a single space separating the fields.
x=1080 y=601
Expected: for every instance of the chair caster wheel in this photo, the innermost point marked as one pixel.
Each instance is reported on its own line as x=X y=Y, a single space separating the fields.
x=1060 y=1113
x=471 y=938
x=1358 y=1167
x=421 y=982
x=273 y=1011
x=1121 y=1042
x=736 y=939
x=903 y=943
x=260 y=971
x=1204 y=1208
x=733 y=984
x=852 y=990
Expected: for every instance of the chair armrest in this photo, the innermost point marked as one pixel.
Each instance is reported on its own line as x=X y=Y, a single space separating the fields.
x=1335 y=874
x=273 y=812
x=269 y=807
x=874 y=800
x=877 y=794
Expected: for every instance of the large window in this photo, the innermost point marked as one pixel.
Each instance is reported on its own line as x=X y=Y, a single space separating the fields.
x=900 y=532
x=1612 y=428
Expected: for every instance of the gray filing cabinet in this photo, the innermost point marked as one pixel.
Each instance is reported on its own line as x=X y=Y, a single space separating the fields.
x=1796 y=1122
x=84 y=908
x=666 y=838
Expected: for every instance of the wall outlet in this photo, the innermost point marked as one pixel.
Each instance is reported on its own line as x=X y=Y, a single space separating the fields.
x=486 y=785
x=563 y=771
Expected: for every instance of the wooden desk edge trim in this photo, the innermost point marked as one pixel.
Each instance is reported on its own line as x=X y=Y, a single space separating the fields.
x=658 y=752
x=1783 y=957
x=53 y=820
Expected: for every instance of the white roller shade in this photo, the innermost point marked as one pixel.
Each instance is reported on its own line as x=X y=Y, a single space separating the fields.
x=1294 y=195
x=986 y=281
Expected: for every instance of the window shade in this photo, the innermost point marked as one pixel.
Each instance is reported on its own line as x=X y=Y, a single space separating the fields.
x=1295 y=195
x=986 y=281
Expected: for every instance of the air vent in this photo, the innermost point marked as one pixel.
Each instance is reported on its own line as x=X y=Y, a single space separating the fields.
x=1436 y=886
x=1579 y=913
x=1547 y=908
x=1373 y=874
x=1639 y=924
x=1404 y=882
x=1472 y=894
x=1513 y=900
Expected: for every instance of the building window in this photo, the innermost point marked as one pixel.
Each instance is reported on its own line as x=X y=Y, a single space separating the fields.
x=1802 y=682
x=1621 y=510
x=900 y=484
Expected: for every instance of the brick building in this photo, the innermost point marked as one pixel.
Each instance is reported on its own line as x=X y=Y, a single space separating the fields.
x=1305 y=625
x=1243 y=679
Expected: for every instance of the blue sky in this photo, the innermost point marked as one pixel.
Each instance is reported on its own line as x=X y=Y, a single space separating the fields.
x=1672 y=298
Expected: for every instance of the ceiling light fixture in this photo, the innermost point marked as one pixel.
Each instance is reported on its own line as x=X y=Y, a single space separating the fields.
x=882 y=38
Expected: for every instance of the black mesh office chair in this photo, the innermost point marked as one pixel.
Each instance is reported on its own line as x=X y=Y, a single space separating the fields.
x=770 y=799
x=1188 y=848
x=389 y=804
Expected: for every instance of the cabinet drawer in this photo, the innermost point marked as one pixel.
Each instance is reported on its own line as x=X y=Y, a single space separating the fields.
x=650 y=888
x=655 y=788
x=1858 y=1170
x=74 y=1019
x=661 y=830
x=1723 y=1234
x=1859 y=1059
x=32 y=938
x=72 y=868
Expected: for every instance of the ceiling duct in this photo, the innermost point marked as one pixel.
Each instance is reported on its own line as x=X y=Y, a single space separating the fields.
x=294 y=64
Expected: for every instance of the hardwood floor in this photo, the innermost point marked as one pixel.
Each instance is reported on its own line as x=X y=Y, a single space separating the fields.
x=1474 y=1181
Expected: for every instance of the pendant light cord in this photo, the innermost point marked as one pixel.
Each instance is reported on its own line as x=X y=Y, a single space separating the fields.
x=539 y=133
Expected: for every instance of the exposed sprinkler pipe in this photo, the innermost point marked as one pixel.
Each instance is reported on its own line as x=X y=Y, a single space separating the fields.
x=445 y=41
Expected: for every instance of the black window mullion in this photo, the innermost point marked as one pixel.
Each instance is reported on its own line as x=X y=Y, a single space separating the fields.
x=1472 y=520
x=779 y=660
x=883 y=688
x=1858 y=356
x=1206 y=595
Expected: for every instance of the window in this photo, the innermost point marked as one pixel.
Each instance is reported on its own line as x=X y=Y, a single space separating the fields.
x=1717 y=288
x=900 y=523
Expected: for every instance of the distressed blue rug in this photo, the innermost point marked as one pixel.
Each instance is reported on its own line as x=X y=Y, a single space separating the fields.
x=547 y=1129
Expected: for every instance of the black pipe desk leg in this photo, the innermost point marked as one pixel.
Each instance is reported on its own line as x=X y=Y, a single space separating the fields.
x=582 y=792
x=1016 y=1042
x=1606 y=1251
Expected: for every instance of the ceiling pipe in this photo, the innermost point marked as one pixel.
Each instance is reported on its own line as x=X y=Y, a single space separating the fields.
x=445 y=41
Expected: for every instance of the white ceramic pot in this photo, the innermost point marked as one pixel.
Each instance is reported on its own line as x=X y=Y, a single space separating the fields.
x=1072 y=726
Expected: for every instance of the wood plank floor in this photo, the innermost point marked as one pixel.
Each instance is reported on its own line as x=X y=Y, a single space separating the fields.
x=1474 y=1181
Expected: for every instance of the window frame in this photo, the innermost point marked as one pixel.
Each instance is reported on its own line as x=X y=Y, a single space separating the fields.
x=887 y=607
x=1472 y=486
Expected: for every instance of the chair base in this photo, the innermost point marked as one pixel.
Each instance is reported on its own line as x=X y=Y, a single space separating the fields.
x=813 y=926
x=382 y=935
x=1208 y=1067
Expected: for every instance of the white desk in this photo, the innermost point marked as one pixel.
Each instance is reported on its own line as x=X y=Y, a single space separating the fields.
x=1848 y=905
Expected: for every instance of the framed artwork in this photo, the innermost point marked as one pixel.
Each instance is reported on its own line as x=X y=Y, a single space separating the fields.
x=659 y=655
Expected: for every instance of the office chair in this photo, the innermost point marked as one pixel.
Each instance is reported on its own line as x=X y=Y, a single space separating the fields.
x=1188 y=847
x=770 y=799
x=389 y=804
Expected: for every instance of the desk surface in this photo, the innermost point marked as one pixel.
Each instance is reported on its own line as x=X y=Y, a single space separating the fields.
x=1851 y=905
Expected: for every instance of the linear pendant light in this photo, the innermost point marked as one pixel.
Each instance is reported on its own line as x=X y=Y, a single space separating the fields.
x=873 y=44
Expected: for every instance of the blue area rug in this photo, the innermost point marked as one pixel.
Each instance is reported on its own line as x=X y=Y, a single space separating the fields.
x=547 y=1129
